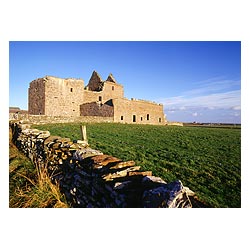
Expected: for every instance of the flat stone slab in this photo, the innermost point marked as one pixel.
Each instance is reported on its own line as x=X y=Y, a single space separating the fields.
x=85 y=153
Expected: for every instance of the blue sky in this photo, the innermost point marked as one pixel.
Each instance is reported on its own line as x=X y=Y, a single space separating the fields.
x=195 y=81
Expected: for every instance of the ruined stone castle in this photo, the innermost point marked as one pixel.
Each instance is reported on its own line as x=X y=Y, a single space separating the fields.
x=52 y=96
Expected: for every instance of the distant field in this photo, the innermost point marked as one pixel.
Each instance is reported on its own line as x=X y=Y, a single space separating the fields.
x=207 y=160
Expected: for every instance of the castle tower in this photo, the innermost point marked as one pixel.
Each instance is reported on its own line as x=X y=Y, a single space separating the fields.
x=55 y=96
x=102 y=91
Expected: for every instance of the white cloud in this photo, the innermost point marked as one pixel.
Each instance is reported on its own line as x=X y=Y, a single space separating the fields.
x=214 y=93
x=236 y=108
x=213 y=85
x=182 y=108
x=225 y=100
x=213 y=97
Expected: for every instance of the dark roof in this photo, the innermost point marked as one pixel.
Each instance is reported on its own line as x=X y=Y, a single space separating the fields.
x=111 y=78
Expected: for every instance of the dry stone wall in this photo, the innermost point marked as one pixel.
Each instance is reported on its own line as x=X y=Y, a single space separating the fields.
x=89 y=178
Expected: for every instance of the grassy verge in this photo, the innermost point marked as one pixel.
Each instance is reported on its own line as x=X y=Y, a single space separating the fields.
x=29 y=185
x=207 y=160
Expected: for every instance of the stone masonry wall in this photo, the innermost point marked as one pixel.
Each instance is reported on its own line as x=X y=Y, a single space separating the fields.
x=91 y=96
x=96 y=109
x=89 y=178
x=63 y=96
x=43 y=119
x=109 y=91
x=138 y=112
x=112 y=91
x=36 y=100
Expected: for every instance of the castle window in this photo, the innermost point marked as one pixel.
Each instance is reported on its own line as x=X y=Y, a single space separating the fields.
x=100 y=98
x=122 y=118
x=71 y=89
x=134 y=118
x=141 y=118
x=113 y=87
x=147 y=116
x=159 y=119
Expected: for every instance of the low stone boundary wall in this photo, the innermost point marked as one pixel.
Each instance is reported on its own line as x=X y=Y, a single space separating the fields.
x=43 y=119
x=175 y=124
x=89 y=178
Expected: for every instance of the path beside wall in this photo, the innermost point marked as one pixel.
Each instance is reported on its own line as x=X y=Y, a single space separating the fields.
x=89 y=178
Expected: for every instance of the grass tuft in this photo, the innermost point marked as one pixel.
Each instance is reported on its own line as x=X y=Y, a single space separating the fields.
x=30 y=185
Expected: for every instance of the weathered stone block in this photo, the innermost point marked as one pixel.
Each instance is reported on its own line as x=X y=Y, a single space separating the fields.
x=85 y=153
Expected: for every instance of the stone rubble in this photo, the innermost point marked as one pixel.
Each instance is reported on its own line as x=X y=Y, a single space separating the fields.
x=89 y=178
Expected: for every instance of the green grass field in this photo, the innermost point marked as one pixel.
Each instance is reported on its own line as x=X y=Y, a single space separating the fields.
x=207 y=160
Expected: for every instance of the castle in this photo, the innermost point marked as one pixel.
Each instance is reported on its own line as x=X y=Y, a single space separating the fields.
x=52 y=96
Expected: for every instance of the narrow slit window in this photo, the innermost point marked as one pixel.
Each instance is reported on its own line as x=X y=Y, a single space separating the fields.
x=147 y=116
x=159 y=119
x=122 y=118
x=113 y=87
x=71 y=89
x=100 y=98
